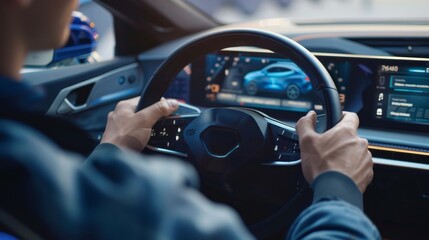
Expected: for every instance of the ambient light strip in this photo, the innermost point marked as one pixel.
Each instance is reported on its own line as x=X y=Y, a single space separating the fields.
x=398 y=150
x=401 y=164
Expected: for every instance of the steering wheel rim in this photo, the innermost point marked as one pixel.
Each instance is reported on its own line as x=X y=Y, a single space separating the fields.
x=213 y=41
x=209 y=42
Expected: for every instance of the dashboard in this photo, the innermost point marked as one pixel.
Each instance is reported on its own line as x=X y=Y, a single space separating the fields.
x=386 y=92
x=389 y=94
x=381 y=73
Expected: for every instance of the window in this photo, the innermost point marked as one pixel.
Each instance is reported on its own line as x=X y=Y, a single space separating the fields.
x=91 y=40
x=279 y=70
x=229 y=11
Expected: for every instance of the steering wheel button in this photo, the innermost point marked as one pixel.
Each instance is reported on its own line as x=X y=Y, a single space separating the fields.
x=295 y=137
x=132 y=79
x=174 y=122
x=169 y=122
x=287 y=134
x=179 y=122
x=121 y=80
x=295 y=157
x=285 y=157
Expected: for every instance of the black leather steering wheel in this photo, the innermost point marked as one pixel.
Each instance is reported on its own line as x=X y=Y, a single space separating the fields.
x=221 y=140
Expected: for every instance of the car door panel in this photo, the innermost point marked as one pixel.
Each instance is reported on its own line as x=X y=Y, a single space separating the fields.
x=85 y=94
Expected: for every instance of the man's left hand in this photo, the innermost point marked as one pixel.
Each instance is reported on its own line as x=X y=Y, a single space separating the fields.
x=131 y=130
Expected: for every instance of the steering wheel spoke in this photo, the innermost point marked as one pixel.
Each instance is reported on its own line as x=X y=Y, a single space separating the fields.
x=167 y=134
x=283 y=145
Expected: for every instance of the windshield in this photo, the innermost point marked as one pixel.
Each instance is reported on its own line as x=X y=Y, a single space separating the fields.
x=230 y=11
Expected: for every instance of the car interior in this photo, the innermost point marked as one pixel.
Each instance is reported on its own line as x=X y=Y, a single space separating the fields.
x=244 y=144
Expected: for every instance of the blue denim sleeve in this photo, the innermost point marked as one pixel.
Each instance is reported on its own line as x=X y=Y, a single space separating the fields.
x=336 y=212
x=114 y=195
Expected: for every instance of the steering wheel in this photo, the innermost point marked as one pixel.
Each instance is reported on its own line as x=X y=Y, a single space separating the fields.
x=222 y=141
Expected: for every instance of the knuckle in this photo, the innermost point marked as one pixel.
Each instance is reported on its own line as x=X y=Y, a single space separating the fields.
x=370 y=156
x=364 y=142
x=370 y=163
x=162 y=107
x=353 y=115
x=309 y=139
x=122 y=104
x=349 y=130
x=300 y=122
x=351 y=118
x=370 y=175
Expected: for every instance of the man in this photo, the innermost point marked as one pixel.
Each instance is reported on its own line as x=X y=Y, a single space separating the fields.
x=47 y=192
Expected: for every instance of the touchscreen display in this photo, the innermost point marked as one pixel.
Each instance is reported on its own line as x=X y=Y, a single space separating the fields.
x=385 y=92
x=402 y=94
x=263 y=82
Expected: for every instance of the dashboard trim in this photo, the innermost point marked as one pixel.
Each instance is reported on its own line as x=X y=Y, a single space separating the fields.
x=322 y=54
x=317 y=54
x=388 y=149
x=378 y=161
x=283 y=164
x=396 y=163
x=167 y=151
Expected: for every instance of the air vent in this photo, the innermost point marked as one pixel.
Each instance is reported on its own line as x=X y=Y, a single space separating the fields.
x=406 y=47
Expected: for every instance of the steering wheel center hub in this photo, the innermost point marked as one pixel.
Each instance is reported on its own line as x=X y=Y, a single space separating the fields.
x=220 y=142
x=225 y=138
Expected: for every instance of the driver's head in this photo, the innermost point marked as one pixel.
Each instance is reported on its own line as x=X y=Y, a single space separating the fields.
x=35 y=24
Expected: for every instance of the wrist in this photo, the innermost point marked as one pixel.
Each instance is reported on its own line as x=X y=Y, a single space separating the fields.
x=125 y=142
x=333 y=184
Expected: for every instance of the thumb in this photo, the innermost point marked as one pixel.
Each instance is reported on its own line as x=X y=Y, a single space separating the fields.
x=306 y=124
x=158 y=110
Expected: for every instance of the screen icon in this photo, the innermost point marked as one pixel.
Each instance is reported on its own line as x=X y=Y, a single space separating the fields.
x=215 y=88
x=382 y=80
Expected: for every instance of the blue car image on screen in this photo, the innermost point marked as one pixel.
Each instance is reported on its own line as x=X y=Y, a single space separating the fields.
x=281 y=77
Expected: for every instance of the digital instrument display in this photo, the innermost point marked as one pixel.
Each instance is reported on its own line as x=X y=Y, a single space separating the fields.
x=384 y=92
x=262 y=82
x=402 y=94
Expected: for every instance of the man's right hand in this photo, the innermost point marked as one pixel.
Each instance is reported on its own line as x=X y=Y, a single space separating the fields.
x=338 y=149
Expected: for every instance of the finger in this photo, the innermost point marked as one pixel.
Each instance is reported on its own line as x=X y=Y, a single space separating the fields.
x=158 y=110
x=349 y=119
x=306 y=124
x=129 y=104
x=133 y=102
